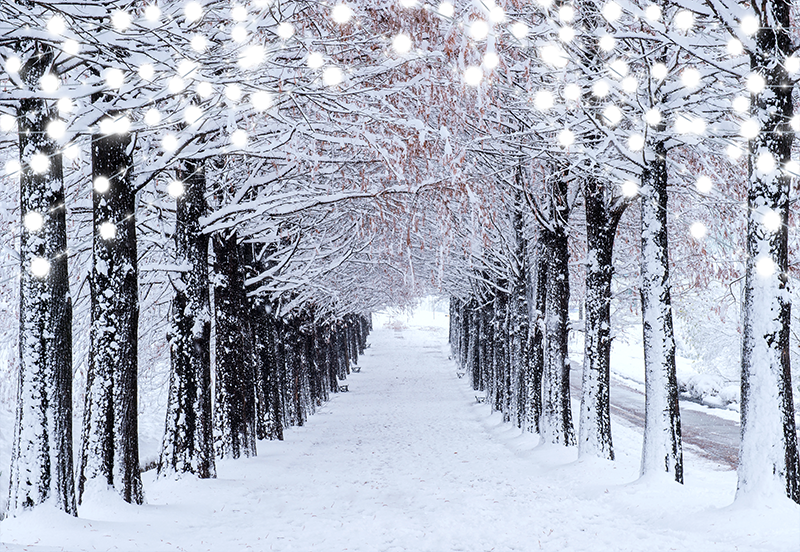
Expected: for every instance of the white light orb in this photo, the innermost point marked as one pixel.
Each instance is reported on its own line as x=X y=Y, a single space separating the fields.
x=146 y=71
x=332 y=76
x=545 y=3
x=572 y=92
x=33 y=221
x=636 y=142
x=49 y=83
x=239 y=138
x=446 y=9
x=192 y=114
x=152 y=117
x=56 y=129
x=204 y=89
x=261 y=100
x=629 y=188
x=192 y=11
x=690 y=77
x=40 y=267
x=755 y=83
x=554 y=55
x=519 y=30
x=169 y=143
x=233 y=92
x=792 y=64
x=56 y=25
x=771 y=219
x=543 y=100
x=252 y=56
x=7 y=122
x=698 y=230
x=618 y=68
x=473 y=75
x=315 y=60
x=612 y=11
x=115 y=78
x=13 y=65
x=765 y=163
x=401 y=43
x=175 y=189
x=652 y=117
x=630 y=84
x=497 y=15
x=408 y=3
x=741 y=104
x=653 y=13
x=39 y=163
x=765 y=267
x=566 y=138
x=122 y=125
x=71 y=47
x=566 y=34
x=101 y=184
x=239 y=13
x=176 y=85
x=152 y=13
x=734 y=152
x=658 y=71
x=704 y=184
x=121 y=20
x=108 y=230
x=735 y=47
x=65 y=105
x=600 y=89
x=566 y=13
x=792 y=168
x=199 y=43
x=491 y=60
x=749 y=129
x=607 y=43
x=285 y=30
x=794 y=122
x=239 y=34
x=479 y=29
x=341 y=13
x=684 y=20
x=612 y=115
x=72 y=151
x=750 y=25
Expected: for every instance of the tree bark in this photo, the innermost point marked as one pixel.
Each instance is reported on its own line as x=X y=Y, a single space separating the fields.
x=661 y=450
x=768 y=455
x=188 y=444
x=110 y=448
x=41 y=457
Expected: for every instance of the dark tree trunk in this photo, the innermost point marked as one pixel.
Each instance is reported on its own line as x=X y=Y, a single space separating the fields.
x=594 y=432
x=662 y=449
x=188 y=444
x=110 y=448
x=537 y=291
x=768 y=457
x=235 y=416
x=41 y=457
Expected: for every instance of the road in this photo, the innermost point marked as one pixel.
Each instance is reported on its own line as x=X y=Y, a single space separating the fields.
x=712 y=437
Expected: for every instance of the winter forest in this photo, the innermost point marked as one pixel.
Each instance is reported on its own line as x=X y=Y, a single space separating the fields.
x=219 y=216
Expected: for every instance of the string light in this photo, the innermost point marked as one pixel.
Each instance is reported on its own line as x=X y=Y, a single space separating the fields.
x=446 y=9
x=199 y=43
x=108 y=230
x=479 y=29
x=121 y=20
x=40 y=267
x=572 y=92
x=704 y=184
x=146 y=71
x=652 y=117
x=684 y=20
x=755 y=83
x=169 y=143
x=566 y=13
x=33 y=221
x=612 y=11
x=698 y=230
x=233 y=92
x=239 y=13
x=204 y=89
x=114 y=78
x=39 y=163
x=612 y=114
x=56 y=129
x=192 y=12
x=332 y=76
x=285 y=30
x=341 y=13
x=473 y=75
x=491 y=60
x=765 y=267
x=192 y=114
x=750 y=25
x=101 y=184
x=261 y=100
x=497 y=15
x=401 y=43
x=7 y=122
x=175 y=189
x=64 y=105
x=239 y=34
x=49 y=83
x=566 y=138
x=543 y=100
x=519 y=30
x=653 y=13
x=56 y=25
x=13 y=65
x=152 y=13
x=636 y=142
x=239 y=138
x=152 y=117
x=629 y=188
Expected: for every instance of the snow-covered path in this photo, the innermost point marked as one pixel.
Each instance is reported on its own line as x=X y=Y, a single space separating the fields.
x=407 y=460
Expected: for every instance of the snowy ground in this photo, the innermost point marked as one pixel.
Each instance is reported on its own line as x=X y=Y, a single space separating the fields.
x=407 y=460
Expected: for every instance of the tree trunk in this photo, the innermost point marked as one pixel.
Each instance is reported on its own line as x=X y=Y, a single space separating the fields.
x=768 y=457
x=534 y=367
x=594 y=431
x=110 y=448
x=555 y=422
x=41 y=457
x=188 y=444
x=662 y=449
x=235 y=416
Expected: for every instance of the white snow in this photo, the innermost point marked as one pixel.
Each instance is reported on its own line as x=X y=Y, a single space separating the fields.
x=407 y=460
